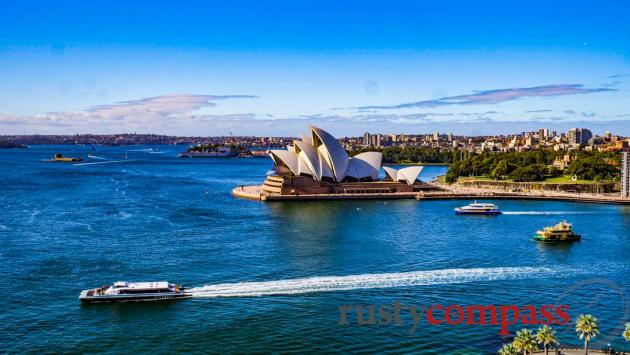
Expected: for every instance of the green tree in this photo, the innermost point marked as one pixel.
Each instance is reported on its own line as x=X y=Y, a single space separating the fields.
x=535 y=172
x=626 y=332
x=593 y=167
x=586 y=327
x=546 y=336
x=525 y=341
x=508 y=349
x=500 y=170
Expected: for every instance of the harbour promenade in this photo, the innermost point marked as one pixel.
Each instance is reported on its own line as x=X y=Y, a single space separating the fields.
x=442 y=192
x=255 y=192
x=456 y=191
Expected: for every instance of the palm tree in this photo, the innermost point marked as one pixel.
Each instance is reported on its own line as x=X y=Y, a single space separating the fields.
x=546 y=336
x=525 y=341
x=626 y=333
x=508 y=349
x=587 y=328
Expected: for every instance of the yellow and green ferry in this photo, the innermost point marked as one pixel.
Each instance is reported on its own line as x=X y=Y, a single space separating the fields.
x=58 y=158
x=561 y=232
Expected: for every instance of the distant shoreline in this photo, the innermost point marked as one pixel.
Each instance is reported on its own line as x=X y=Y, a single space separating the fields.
x=427 y=164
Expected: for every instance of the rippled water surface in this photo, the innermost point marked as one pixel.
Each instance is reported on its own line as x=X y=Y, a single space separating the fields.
x=271 y=276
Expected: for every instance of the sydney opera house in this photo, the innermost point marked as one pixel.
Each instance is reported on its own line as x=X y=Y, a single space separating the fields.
x=318 y=166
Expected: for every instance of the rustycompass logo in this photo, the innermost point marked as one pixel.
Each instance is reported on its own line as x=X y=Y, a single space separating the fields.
x=411 y=315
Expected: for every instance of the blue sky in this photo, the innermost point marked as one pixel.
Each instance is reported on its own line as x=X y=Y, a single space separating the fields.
x=273 y=68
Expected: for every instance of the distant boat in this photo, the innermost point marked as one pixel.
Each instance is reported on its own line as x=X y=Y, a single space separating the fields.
x=220 y=152
x=479 y=208
x=260 y=153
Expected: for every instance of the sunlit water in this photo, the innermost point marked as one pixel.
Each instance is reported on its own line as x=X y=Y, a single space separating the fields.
x=271 y=276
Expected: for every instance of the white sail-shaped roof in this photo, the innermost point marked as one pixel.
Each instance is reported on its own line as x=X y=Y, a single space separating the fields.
x=331 y=151
x=320 y=155
x=408 y=175
x=308 y=158
x=364 y=165
x=286 y=158
x=306 y=138
x=391 y=172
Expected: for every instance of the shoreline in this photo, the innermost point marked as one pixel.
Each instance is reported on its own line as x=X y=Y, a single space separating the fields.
x=254 y=192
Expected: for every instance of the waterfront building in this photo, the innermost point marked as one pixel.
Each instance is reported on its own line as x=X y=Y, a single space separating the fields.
x=625 y=175
x=321 y=157
x=318 y=167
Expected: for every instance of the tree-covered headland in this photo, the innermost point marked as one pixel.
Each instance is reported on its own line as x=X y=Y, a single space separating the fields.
x=536 y=166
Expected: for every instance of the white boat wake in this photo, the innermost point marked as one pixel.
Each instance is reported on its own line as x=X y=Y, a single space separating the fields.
x=104 y=162
x=544 y=213
x=372 y=281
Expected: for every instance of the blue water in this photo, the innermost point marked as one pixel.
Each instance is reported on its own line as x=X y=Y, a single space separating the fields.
x=65 y=227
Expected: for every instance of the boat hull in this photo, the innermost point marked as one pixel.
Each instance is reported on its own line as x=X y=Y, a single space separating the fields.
x=573 y=238
x=478 y=212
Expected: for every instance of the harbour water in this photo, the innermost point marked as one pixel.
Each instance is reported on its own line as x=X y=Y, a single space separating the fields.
x=270 y=277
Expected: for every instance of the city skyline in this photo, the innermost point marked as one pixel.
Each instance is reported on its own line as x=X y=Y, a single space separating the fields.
x=253 y=69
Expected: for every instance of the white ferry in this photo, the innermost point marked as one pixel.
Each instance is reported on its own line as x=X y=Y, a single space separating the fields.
x=479 y=208
x=122 y=291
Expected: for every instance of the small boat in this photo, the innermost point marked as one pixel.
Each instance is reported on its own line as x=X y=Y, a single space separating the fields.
x=561 y=232
x=479 y=208
x=122 y=291
x=220 y=152
x=58 y=158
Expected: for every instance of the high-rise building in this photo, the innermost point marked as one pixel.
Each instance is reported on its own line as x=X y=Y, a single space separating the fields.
x=366 y=139
x=376 y=140
x=579 y=136
x=625 y=174
x=586 y=135
x=436 y=136
x=572 y=136
x=543 y=134
x=450 y=137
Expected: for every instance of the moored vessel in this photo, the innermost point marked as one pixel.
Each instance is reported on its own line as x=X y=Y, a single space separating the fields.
x=479 y=208
x=122 y=291
x=561 y=232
